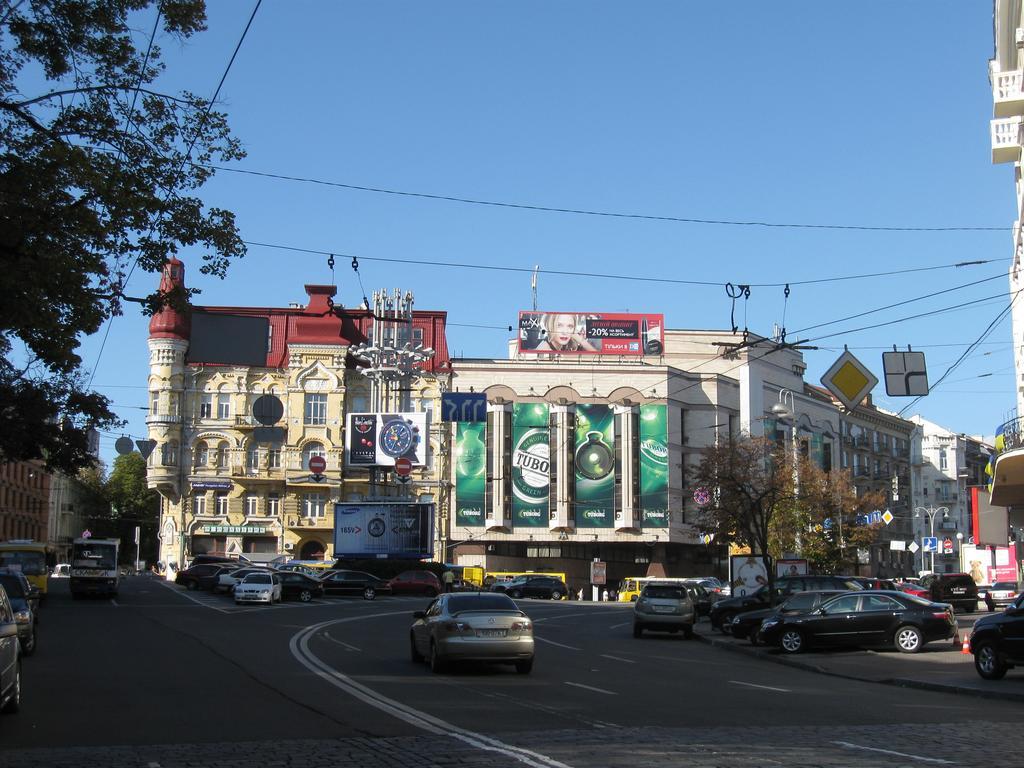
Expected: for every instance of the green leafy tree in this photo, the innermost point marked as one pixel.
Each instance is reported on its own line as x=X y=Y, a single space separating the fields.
x=751 y=480
x=97 y=171
x=132 y=504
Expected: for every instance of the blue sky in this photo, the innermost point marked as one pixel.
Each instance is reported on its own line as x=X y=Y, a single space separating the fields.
x=873 y=114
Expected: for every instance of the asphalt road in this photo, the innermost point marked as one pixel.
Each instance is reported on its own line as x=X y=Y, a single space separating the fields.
x=160 y=677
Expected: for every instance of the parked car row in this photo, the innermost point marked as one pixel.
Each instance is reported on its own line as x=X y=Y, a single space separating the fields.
x=19 y=615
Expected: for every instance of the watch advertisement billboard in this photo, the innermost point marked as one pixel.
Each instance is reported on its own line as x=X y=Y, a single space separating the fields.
x=591 y=333
x=377 y=439
x=594 y=460
x=470 y=473
x=531 y=477
x=653 y=466
x=383 y=530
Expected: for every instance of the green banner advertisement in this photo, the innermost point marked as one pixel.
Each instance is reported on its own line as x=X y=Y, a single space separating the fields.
x=653 y=466
x=595 y=466
x=531 y=475
x=470 y=473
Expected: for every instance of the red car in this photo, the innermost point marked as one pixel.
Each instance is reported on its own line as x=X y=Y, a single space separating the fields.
x=416 y=583
x=914 y=589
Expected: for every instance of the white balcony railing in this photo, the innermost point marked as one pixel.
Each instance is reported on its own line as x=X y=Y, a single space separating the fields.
x=1008 y=93
x=1006 y=140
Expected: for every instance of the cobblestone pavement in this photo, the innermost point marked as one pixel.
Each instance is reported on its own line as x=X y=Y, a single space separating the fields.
x=891 y=746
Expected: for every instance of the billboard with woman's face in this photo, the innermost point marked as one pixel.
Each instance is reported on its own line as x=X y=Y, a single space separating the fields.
x=591 y=333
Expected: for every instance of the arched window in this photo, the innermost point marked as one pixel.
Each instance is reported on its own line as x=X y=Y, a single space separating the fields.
x=202 y=454
x=312 y=449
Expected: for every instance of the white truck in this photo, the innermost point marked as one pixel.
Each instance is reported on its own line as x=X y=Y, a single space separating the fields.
x=94 y=567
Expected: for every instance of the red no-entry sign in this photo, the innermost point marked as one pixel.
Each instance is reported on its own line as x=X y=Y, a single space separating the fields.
x=317 y=464
x=403 y=466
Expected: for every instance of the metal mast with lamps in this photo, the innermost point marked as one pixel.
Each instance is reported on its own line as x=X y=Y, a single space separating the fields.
x=931 y=512
x=787 y=413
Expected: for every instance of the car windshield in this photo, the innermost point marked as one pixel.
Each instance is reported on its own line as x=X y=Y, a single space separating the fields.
x=916 y=600
x=12 y=585
x=664 y=592
x=802 y=601
x=257 y=578
x=29 y=563
x=481 y=602
x=1005 y=585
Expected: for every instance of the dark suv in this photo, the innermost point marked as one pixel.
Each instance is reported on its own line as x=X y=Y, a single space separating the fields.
x=997 y=641
x=723 y=612
x=957 y=589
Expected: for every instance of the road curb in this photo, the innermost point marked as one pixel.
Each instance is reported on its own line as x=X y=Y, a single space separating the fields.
x=899 y=682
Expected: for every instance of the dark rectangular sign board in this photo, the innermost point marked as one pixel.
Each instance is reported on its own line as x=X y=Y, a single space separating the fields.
x=228 y=339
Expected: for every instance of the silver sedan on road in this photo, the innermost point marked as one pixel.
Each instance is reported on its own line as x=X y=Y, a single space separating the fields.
x=482 y=626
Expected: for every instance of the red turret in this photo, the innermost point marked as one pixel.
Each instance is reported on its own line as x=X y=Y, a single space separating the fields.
x=169 y=322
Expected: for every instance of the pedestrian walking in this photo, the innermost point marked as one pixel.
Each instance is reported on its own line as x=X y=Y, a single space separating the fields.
x=449 y=580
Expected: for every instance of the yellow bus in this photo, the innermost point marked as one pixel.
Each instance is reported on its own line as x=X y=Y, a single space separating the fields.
x=26 y=556
x=630 y=589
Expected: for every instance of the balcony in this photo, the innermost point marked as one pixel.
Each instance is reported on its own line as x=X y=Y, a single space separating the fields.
x=1006 y=140
x=163 y=418
x=1008 y=474
x=1008 y=93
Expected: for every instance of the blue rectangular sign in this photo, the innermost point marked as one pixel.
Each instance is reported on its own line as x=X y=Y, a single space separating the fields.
x=929 y=543
x=463 y=406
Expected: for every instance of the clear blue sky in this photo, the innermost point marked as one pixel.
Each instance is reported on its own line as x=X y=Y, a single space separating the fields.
x=871 y=114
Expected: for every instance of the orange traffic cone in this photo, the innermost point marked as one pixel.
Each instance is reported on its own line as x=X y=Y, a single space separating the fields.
x=966 y=647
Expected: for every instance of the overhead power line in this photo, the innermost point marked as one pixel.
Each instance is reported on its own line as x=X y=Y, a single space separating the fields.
x=607 y=214
x=611 y=276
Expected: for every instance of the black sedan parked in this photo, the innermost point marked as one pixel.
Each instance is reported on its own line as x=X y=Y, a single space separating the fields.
x=545 y=587
x=202 y=576
x=299 y=586
x=354 y=584
x=997 y=641
x=747 y=624
x=865 y=618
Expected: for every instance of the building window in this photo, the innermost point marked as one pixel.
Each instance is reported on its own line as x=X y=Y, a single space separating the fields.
x=310 y=450
x=943 y=462
x=222 y=455
x=250 y=504
x=316 y=409
x=202 y=454
x=274 y=458
x=206 y=406
x=169 y=454
x=357 y=403
x=199 y=504
x=221 y=500
x=273 y=504
x=154 y=403
x=314 y=504
x=223 y=406
x=253 y=459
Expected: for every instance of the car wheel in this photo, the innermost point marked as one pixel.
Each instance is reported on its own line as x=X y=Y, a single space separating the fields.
x=14 y=703
x=305 y=596
x=908 y=639
x=638 y=630
x=727 y=623
x=988 y=663
x=191 y=586
x=752 y=637
x=415 y=655
x=792 y=641
x=369 y=593
x=524 y=667
x=515 y=594
x=556 y=595
x=437 y=664
x=688 y=632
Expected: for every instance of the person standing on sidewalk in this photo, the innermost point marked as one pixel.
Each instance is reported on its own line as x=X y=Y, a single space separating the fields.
x=449 y=580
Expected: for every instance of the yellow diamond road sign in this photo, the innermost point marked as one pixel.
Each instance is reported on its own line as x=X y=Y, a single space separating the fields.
x=887 y=517
x=849 y=380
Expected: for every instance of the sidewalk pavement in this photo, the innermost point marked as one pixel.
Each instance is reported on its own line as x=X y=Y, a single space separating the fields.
x=940 y=665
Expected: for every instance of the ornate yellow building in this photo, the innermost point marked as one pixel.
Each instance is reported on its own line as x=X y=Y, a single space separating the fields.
x=233 y=483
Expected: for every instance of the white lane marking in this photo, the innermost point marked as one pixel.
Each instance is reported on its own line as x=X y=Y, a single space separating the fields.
x=848 y=745
x=569 y=616
x=560 y=645
x=299 y=647
x=623 y=624
x=765 y=687
x=188 y=596
x=339 y=642
x=113 y=602
x=152 y=765
x=592 y=688
x=617 y=658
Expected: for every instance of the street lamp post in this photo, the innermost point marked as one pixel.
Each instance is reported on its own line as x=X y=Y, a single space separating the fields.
x=787 y=412
x=931 y=512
